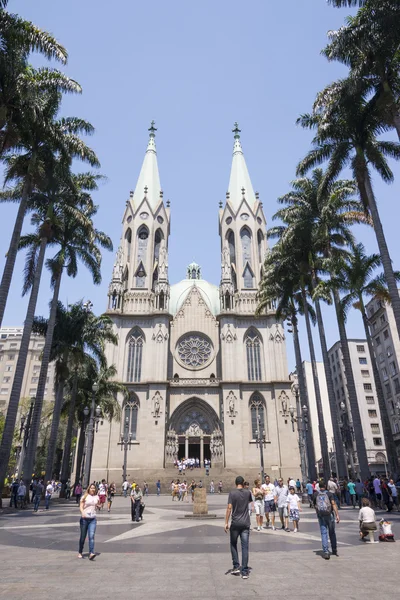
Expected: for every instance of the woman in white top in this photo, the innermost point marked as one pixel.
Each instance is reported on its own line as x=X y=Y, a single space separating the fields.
x=367 y=518
x=88 y=505
x=258 y=495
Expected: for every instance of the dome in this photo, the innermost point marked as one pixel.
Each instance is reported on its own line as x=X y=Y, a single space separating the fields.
x=179 y=292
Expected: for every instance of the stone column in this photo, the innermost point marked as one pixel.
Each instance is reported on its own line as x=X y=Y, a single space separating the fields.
x=201 y=451
x=186 y=446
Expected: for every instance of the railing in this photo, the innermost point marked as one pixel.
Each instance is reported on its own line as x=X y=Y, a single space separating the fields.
x=191 y=381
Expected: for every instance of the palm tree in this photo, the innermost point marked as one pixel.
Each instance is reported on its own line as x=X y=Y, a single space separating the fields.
x=50 y=166
x=355 y=278
x=347 y=126
x=289 y=304
x=26 y=35
x=368 y=44
x=78 y=239
x=40 y=142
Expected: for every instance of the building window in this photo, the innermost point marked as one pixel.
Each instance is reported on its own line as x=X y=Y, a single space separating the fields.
x=368 y=386
x=365 y=372
x=389 y=351
x=388 y=390
x=11 y=357
x=6 y=379
x=143 y=236
x=385 y=334
x=260 y=239
x=392 y=368
x=370 y=399
x=396 y=428
x=377 y=441
x=362 y=360
x=375 y=428
x=32 y=391
x=374 y=326
x=9 y=368
x=131 y=411
x=372 y=414
x=383 y=319
x=1 y=357
x=378 y=340
x=257 y=409
x=34 y=379
x=360 y=348
x=385 y=374
x=4 y=391
x=13 y=345
x=253 y=352
x=128 y=244
x=396 y=385
x=381 y=357
x=135 y=352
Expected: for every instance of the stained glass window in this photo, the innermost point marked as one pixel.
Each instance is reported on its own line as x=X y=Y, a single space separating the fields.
x=253 y=351
x=131 y=411
x=194 y=351
x=257 y=414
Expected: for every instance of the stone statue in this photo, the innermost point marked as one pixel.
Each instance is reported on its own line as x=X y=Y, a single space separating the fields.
x=157 y=406
x=231 y=405
x=284 y=401
x=226 y=262
x=118 y=266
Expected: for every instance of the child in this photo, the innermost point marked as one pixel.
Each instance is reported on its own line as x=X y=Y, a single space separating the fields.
x=294 y=508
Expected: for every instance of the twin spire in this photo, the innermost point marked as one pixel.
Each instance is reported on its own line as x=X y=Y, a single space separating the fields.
x=148 y=184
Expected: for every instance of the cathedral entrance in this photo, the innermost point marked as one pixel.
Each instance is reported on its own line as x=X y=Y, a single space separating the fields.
x=194 y=432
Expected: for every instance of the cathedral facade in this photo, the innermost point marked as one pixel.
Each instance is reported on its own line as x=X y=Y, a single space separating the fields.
x=207 y=378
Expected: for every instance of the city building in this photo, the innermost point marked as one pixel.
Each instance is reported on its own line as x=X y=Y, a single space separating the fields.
x=386 y=344
x=207 y=377
x=313 y=414
x=10 y=340
x=367 y=404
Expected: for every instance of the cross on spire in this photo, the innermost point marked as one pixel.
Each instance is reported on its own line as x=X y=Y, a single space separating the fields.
x=152 y=129
x=236 y=130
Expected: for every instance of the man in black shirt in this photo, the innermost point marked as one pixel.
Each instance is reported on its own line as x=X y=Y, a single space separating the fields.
x=238 y=509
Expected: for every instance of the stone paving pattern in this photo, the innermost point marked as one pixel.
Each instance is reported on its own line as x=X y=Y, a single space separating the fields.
x=169 y=556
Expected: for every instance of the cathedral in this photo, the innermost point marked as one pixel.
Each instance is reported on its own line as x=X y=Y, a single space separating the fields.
x=207 y=378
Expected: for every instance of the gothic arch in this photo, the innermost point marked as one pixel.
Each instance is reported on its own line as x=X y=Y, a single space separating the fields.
x=258 y=408
x=135 y=341
x=194 y=410
x=260 y=243
x=128 y=244
x=130 y=411
x=253 y=343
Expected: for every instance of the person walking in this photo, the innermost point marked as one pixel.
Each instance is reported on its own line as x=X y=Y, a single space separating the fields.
x=125 y=487
x=102 y=491
x=328 y=514
x=359 y=486
x=378 y=491
x=14 y=493
x=38 y=495
x=110 y=495
x=352 y=491
x=21 y=494
x=78 y=492
x=310 y=492
x=212 y=489
x=158 y=486
x=68 y=490
x=269 y=502
x=395 y=496
x=136 y=498
x=367 y=519
x=88 y=504
x=258 y=496
x=386 y=495
x=146 y=488
x=238 y=511
x=294 y=508
x=281 y=501
x=48 y=495
x=220 y=487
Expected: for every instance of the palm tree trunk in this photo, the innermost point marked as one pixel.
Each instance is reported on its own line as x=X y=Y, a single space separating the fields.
x=383 y=248
x=55 y=422
x=351 y=389
x=312 y=472
x=12 y=411
x=386 y=427
x=65 y=469
x=79 y=454
x=13 y=250
x=37 y=412
x=339 y=450
x=321 y=424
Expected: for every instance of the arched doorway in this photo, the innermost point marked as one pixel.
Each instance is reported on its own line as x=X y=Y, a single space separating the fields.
x=194 y=431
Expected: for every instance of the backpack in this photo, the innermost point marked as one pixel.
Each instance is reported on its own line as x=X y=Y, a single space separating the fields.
x=323 y=504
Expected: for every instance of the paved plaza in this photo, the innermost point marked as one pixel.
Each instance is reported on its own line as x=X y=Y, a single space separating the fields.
x=169 y=556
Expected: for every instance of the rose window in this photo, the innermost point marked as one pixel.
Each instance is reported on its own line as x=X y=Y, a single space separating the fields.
x=194 y=351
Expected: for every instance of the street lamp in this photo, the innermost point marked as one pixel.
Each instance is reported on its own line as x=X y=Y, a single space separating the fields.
x=126 y=440
x=95 y=413
x=302 y=428
x=260 y=444
x=347 y=432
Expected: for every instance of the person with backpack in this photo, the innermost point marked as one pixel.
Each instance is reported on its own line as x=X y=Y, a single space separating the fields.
x=328 y=515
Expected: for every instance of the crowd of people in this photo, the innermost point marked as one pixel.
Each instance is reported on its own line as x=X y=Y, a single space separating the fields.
x=382 y=492
x=180 y=490
x=20 y=497
x=189 y=464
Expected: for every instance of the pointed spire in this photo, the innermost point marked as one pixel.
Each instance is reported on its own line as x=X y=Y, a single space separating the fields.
x=240 y=183
x=148 y=183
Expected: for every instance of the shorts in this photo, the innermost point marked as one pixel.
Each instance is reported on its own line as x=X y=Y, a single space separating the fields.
x=269 y=506
x=282 y=510
x=102 y=499
x=294 y=515
x=259 y=507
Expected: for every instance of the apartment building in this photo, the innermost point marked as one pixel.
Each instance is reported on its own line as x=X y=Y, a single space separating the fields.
x=367 y=404
x=10 y=341
x=313 y=414
x=386 y=344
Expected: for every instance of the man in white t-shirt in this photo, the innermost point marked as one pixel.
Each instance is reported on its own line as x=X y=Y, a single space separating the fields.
x=291 y=483
x=49 y=492
x=125 y=487
x=269 y=502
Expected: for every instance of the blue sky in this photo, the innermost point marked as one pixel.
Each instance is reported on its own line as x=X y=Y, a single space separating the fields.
x=195 y=68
